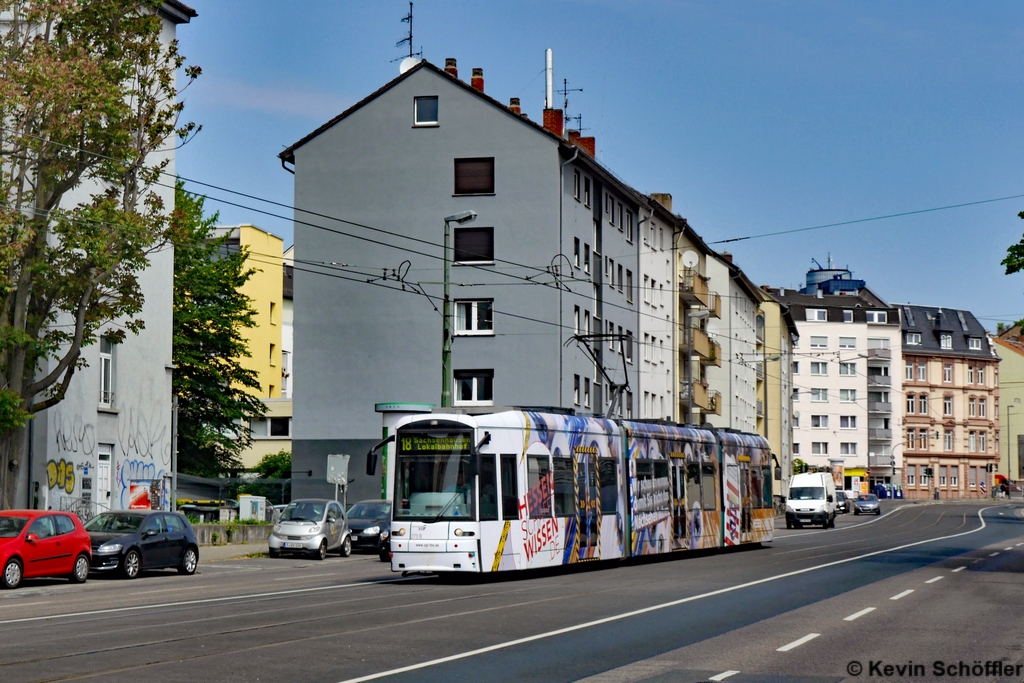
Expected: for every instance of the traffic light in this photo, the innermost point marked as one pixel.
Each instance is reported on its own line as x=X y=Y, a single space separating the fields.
x=892 y=461
x=990 y=468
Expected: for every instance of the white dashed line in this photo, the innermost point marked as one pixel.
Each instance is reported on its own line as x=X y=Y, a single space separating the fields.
x=937 y=578
x=26 y=604
x=993 y=554
x=724 y=675
x=903 y=594
x=1010 y=548
x=858 y=615
x=798 y=642
x=1020 y=544
x=959 y=569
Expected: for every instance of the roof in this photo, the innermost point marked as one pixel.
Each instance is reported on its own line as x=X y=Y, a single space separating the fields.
x=933 y=322
x=861 y=302
x=177 y=11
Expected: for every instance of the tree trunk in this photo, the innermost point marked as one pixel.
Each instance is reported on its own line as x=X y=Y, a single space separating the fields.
x=12 y=451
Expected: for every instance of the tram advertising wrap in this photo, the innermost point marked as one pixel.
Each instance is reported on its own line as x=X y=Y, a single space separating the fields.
x=523 y=489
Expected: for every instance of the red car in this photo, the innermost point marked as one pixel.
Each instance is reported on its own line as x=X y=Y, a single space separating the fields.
x=42 y=543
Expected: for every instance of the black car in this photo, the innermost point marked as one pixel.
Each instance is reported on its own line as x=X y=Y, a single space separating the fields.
x=370 y=522
x=132 y=540
x=842 y=502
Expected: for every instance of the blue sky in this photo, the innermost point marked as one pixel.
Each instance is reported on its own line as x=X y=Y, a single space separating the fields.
x=756 y=116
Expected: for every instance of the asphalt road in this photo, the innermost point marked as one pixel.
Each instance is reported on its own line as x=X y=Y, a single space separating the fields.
x=920 y=584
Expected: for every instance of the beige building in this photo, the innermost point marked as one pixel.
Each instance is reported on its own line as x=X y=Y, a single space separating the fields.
x=951 y=404
x=775 y=339
x=1010 y=348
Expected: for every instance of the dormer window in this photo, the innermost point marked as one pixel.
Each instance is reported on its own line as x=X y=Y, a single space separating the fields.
x=818 y=315
x=974 y=343
x=913 y=338
x=946 y=341
x=877 y=317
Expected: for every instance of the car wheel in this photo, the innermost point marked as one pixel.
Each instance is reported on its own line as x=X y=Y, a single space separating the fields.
x=12 y=574
x=384 y=556
x=189 y=562
x=878 y=512
x=81 y=571
x=345 y=549
x=321 y=552
x=131 y=564
x=789 y=525
x=275 y=553
x=856 y=512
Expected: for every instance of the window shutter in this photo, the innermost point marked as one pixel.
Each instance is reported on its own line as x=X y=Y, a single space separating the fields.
x=474 y=176
x=474 y=244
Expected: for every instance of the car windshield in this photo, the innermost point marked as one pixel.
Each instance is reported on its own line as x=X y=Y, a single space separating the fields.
x=807 y=493
x=114 y=522
x=304 y=511
x=869 y=497
x=369 y=510
x=840 y=496
x=12 y=526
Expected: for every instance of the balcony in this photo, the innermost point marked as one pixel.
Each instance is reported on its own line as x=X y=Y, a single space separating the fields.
x=882 y=461
x=701 y=397
x=715 y=401
x=879 y=354
x=715 y=307
x=880 y=434
x=709 y=352
x=693 y=288
x=878 y=407
x=879 y=381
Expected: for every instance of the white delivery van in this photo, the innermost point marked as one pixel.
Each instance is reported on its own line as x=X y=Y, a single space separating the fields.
x=812 y=500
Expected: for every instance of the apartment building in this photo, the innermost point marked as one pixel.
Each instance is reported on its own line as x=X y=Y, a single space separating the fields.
x=775 y=384
x=845 y=384
x=1010 y=348
x=951 y=403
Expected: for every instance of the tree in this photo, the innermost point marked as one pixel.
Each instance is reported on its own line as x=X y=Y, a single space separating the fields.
x=210 y=312
x=271 y=466
x=1014 y=261
x=88 y=95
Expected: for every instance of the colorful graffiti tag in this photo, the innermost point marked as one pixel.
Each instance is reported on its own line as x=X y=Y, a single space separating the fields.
x=60 y=474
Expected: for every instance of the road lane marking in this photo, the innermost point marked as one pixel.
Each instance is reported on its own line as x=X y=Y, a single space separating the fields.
x=903 y=594
x=977 y=560
x=652 y=608
x=798 y=642
x=1010 y=548
x=305 y=576
x=993 y=554
x=858 y=615
x=959 y=569
x=28 y=604
x=1020 y=544
x=855 y=525
x=937 y=578
x=722 y=676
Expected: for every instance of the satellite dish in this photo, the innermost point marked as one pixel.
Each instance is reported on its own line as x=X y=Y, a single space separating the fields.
x=407 y=63
x=690 y=258
x=796 y=414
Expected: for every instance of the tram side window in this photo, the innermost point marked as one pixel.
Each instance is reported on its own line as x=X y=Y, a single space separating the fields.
x=565 y=491
x=607 y=469
x=755 y=487
x=708 y=473
x=488 y=489
x=538 y=478
x=652 y=480
x=766 y=478
x=509 y=488
x=692 y=483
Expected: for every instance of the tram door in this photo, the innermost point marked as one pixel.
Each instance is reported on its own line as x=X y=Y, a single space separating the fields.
x=677 y=475
x=746 y=516
x=588 y=503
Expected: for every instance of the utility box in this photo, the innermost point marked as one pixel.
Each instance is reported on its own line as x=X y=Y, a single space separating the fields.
x=252 y=507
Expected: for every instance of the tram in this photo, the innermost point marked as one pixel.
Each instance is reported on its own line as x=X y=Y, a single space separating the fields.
x=523 y=490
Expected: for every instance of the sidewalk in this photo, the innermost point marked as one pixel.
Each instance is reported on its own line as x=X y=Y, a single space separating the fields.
x=208 y=553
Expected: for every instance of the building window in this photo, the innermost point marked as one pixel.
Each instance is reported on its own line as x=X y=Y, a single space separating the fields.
x=981 y=374
x=947 y=405
x=106 y=372
x=946 y=341
x=819 y=448
x=922 y=372
x=586 y=258
x=796 y=421
x=819 y=342
x=818 y=395
x=847 y=316
x=609 y=270
x=848 y=448
x=271 y=428
x=273 y=348
x=576 y=251
x=819 y=421
x=913 y=338
x=796 y=367
x=954 y=475
x=576 y=319
x=922 y=404
x=973 y=480
x=982 y=442
x=586 y=322
x=576 y=185
x=629 y=227
x=947 y=440
x=911 y=473
x=972 y=407
x=273 y=311
x=910 y=404
x=878 y=317
x=947 y=373
x=910 y=440
x=796 y=449
x=629 y=346
x=848 y=422
x=847 y=395
x=586 y=192
x=576 y=389
x=424 y=111
x=819 y=368
x=474 y=317
x=848 y=369
x=474 y=245
x=972 y=441
x=982 y=407
x=586 y=392
x=286 y=374
x=847 y=342
x=942 y=475
x=908 y=371
x=922 y=439
x=796 y=395
x=629 y=286
x=970 y=374
x=474 y=387
x=474 y=176
x=974 y=344
x=611 y=336
x=620 y=277
x=817 y=315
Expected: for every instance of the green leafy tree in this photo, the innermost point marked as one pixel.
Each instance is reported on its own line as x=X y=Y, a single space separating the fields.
x=271 y=466
x=210 y=312
x=1014 y=261
x=88 y=94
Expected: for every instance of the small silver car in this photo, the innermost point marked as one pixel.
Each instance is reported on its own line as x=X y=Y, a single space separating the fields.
x=311 y=526
x=866 y=504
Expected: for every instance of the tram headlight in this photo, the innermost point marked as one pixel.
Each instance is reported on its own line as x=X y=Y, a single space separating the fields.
x=400 y=532
x=458 y=532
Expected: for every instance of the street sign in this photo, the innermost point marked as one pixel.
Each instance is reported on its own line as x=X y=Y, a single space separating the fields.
x=337 y=469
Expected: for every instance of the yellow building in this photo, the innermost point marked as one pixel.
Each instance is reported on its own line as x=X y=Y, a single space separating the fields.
x=775 y=385
x=265 y=289
x=1010 y=348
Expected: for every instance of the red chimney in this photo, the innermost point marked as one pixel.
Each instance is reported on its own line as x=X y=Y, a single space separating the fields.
x=513 y=104
x=478 y=79
x=451 y=67
x=727 y=256
x=573 y=135
x=553 y=121
x=587 y=145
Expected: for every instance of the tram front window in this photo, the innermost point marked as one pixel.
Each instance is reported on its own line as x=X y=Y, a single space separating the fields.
x=432 y=482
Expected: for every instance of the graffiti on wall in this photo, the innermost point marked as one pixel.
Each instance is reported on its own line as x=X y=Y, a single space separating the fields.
x=60 y=474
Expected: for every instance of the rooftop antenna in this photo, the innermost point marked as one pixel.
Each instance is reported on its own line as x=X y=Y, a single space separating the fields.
x=564 y=92
x=411 y=59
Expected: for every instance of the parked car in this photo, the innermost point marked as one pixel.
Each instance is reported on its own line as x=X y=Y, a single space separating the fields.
x=311 y=526
x=867 y=504
x=842 y=502
x=132 y=540
x=370 y=522
x=36 y=543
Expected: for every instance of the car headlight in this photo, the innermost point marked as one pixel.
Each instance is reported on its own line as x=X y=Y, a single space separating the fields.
x=314 y=530
x=371 y=530
x=108 y=548
x=385 y=533
x=277 y=528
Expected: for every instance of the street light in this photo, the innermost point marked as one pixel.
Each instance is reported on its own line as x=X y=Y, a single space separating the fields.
x=446 y=333
x=698 y=315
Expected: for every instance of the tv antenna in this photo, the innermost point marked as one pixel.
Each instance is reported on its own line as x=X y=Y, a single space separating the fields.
x=564 y=92
x=407 y=19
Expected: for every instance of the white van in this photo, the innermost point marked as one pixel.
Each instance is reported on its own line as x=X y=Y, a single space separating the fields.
x=812 y=500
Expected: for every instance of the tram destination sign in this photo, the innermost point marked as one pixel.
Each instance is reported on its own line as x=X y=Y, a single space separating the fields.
x=430 y=444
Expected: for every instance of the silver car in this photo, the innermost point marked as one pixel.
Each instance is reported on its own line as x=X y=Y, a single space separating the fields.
x=311 y=526
x=867 y=504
